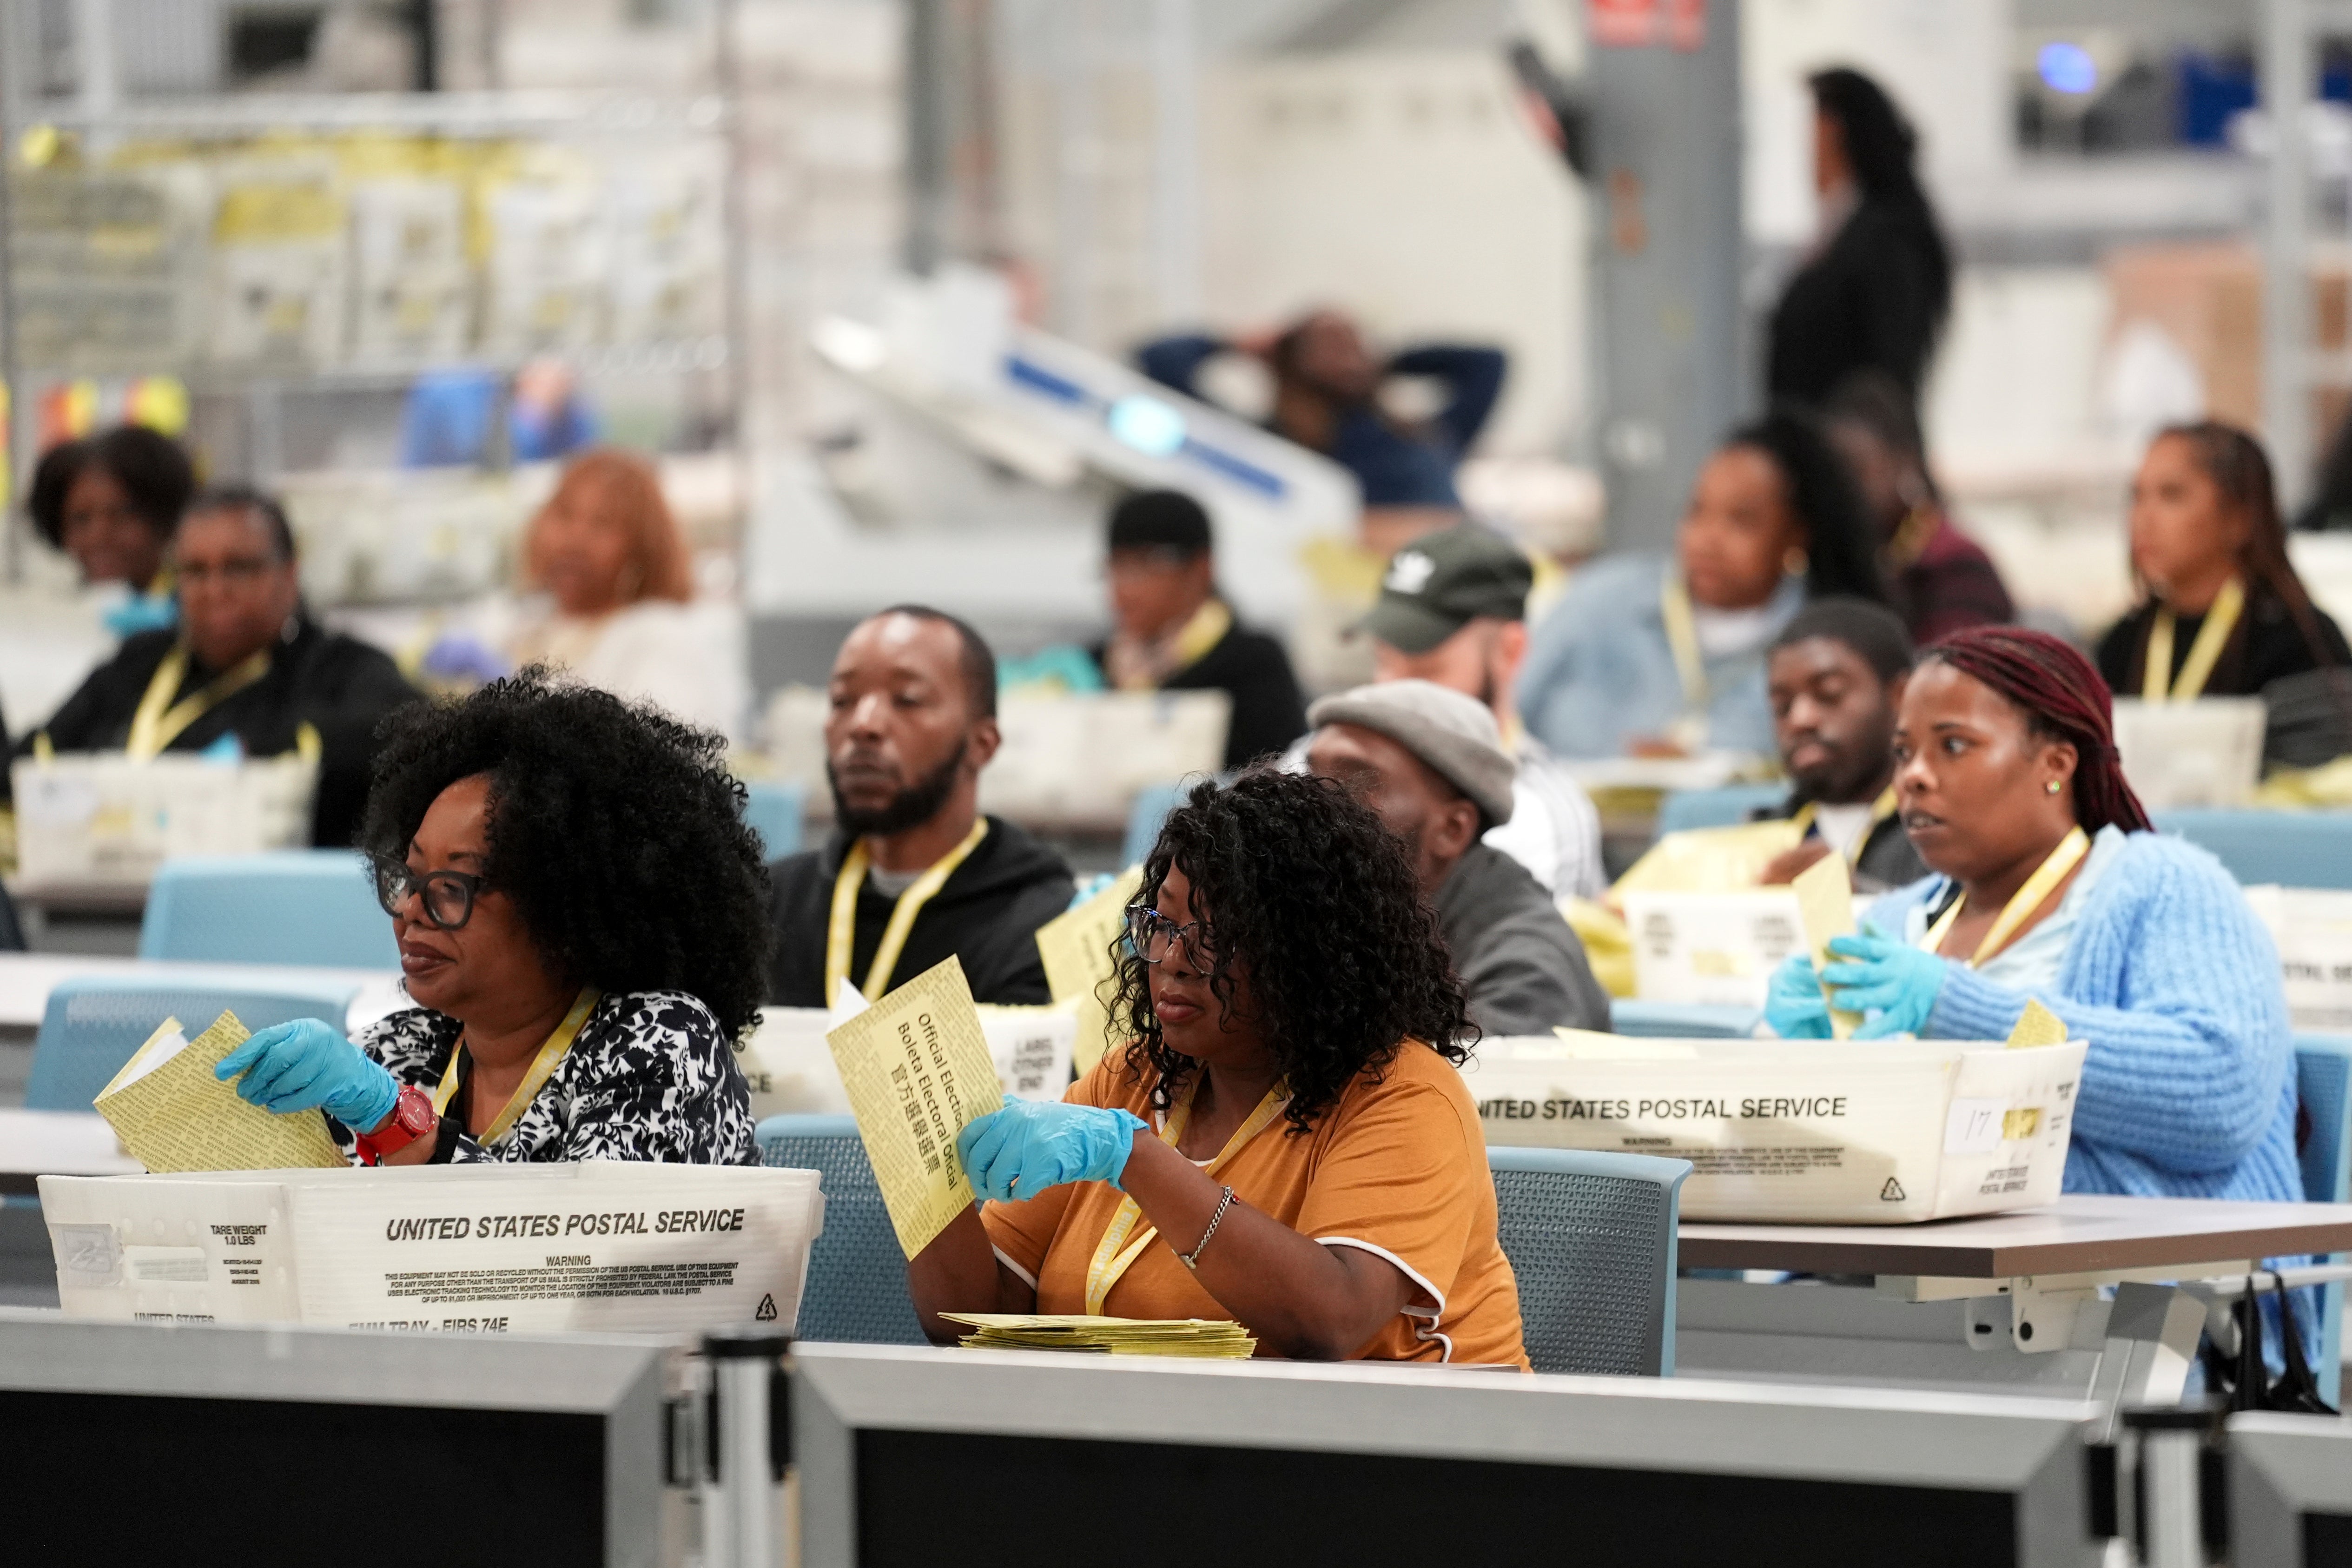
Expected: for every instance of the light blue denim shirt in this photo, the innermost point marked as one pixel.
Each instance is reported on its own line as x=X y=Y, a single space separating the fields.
x=1600 y=671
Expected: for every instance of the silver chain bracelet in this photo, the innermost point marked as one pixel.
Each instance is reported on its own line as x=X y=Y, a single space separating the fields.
x=1192 y=1259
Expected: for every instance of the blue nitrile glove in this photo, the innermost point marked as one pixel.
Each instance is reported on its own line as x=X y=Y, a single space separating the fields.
x=1893 y=982
x=308 y=1066
x=1033 y=1144
x=1793 y=1007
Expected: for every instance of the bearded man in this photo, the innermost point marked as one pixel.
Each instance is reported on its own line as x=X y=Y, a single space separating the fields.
x=912 y=872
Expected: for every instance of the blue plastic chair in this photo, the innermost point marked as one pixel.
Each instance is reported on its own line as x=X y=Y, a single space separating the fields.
x=2323 y=1067
x=315 y=907
x=1591 y=1238
x=1725 y=807
x=1152 y=804
x=1682 y=1020
x=93 y=1024
x=856 y=1290
x=2292 y=848
x=775 y=810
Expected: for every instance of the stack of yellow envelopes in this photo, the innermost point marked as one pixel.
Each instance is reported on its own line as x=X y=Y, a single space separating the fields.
x=1209 y=1338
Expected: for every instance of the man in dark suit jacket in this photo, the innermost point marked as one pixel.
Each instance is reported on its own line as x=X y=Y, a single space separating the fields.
x=1173 y=633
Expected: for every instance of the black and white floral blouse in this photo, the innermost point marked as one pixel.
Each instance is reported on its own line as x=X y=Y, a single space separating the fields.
x=649 y=1076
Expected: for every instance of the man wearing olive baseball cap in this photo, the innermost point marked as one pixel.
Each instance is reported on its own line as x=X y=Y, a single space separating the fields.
x=1429 y=762
x=1453 y=609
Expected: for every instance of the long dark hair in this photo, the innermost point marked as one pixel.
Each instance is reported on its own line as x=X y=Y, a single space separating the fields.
x=153 y=470
x=1883 y=150
x=1295 y=880
x=2234 y=460
x=2063 y=698
x=1841 y=540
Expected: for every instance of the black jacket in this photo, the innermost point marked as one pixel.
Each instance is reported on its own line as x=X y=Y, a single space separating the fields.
x=1268 y=711
x=1870 y=301
x=1522 y=968
x=340 y=686
x=2266 y=645
x=986 y=913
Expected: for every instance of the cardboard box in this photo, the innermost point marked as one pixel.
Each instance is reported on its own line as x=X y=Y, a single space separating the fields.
x=2312 y=929
x=1716 y=949
x=100 y=817
x=1845 y=1132
x=790 y=1068
x=492 y=1249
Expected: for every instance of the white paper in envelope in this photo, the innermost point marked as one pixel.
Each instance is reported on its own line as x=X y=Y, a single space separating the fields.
x=791 y=1069
x=1869 y=1132
x=486 y=1248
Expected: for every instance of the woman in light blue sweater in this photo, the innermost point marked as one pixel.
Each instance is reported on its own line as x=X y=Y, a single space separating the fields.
x=2052 y=886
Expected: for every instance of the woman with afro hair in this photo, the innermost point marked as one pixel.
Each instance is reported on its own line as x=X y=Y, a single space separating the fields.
x=1285 y=1143
x=581 y=916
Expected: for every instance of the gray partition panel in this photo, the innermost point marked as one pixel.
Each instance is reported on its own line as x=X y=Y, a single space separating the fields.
x=145 y=1442
x=1098 y=1458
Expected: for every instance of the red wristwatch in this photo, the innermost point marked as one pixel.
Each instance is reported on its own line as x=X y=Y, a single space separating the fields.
x=412 y=1116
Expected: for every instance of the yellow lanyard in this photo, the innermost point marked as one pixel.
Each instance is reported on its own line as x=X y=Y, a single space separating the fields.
x=1192 y=640
x=159 y=720
x=2157 y=685
x=841 y=931
x=543 y=1068
x=1115 y=1255
x=1682 y=638
x=1880 y=810
x=2020 y=907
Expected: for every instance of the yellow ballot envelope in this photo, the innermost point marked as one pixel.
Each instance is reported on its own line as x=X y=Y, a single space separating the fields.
x=2037 y=1025
x=1825 y=902
x=917 y=1070
x=1078 y=949
x=172 y=1115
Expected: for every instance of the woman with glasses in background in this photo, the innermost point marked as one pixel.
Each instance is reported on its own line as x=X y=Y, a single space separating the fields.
x=581 y=917
x=1285 y=1143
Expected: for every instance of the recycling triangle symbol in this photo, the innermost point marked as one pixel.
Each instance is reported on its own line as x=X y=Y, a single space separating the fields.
x=767 y=1313
x=1892 y=1192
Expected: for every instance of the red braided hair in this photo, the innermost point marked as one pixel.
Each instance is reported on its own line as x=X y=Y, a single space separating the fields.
x=2062 y=696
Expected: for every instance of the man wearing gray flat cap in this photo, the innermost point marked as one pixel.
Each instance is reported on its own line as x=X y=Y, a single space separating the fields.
x=1429 y=761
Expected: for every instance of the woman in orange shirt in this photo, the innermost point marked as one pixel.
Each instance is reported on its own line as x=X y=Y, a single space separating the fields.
x=1285 y=1143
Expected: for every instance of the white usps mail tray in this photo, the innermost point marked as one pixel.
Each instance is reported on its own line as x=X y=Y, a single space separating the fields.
x=1823 y=1131
x=2313 y=930
x=103 y=818
x=2205 y=753
x=1715 y=948
x=487 y=1248
x=791 y=1071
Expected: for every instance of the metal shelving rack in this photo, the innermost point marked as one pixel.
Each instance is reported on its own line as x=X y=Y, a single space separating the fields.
x=101 y=117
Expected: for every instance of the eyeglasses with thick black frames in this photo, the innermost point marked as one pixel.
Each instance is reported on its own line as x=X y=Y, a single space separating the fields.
x=447 y=895
x=1154 y=936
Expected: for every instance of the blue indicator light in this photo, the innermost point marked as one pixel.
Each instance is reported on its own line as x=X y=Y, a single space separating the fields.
x=1148 y=424
x=2067 y=68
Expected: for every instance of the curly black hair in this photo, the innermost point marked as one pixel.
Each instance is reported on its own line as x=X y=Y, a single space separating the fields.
x=617 y=831
x=1295 y=879
x=152 y=469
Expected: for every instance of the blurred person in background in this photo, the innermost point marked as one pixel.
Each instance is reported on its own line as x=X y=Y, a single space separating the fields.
x=618 y=583
x=1429 y=762
x=451 y=414
x=248 y=673
x=2222 y=613
x=912 y=872
x=1937 y=578
x=1453 y=609
x=1874 y=292
x=112 y=502
x=1836 y=677
x=1664 y=656
x=1172 y=632
x=1326 y=397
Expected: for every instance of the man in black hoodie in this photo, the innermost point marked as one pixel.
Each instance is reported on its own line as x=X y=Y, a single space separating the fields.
x=912 y=872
